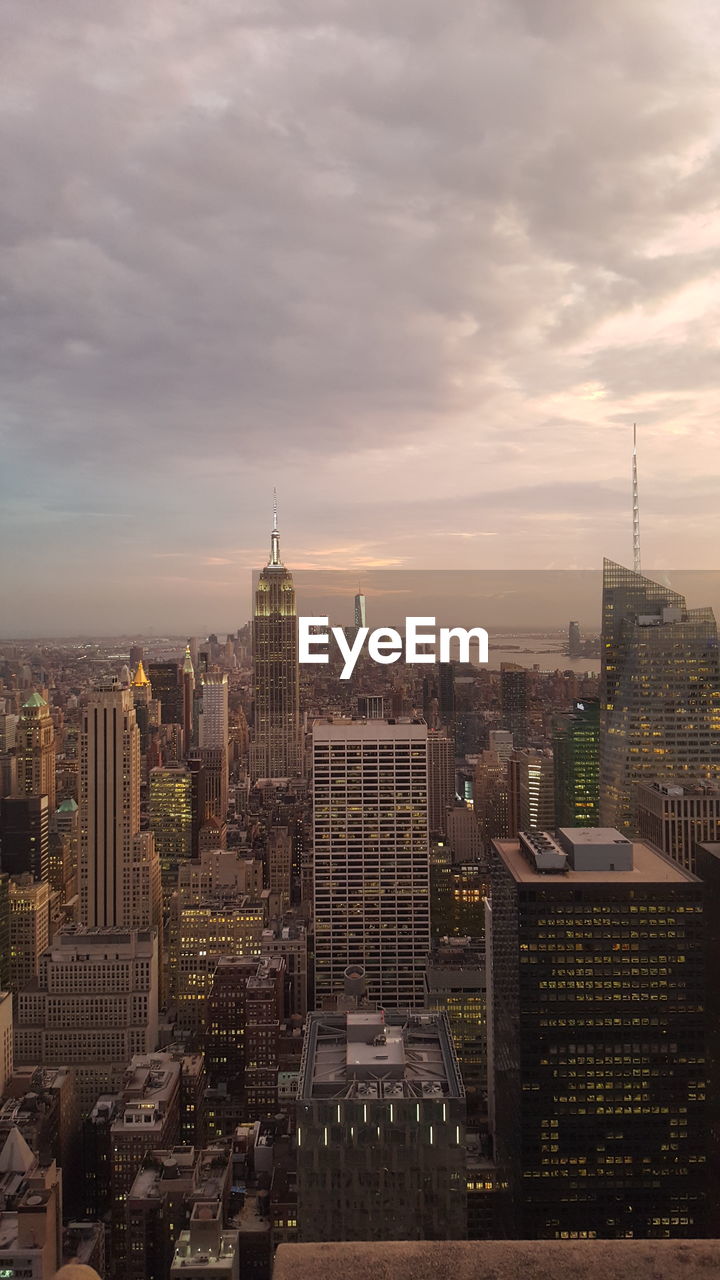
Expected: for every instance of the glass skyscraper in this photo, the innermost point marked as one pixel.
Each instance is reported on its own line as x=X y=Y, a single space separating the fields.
x=659 y=691
x=576 y=738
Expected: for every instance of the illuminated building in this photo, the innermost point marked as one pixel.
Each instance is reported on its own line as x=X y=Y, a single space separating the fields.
x=25 y=836
x=675 y=817
x=214 y=917
x=576 y=745
x=359 y=610
x=531 y=791
x=380 y=1129
x=441 y=780
x=94 y=1005
x=514 y=701
x=171 y=819
x=596 y=1036
x=29 y=928
x=370 y=805
x=275 y=751
x=660 y=692
x=35 y=750
x=455 y=983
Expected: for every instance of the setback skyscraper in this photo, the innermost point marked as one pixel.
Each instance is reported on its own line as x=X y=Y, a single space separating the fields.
x=659 y=693
x=119 y=871
x=276 y=743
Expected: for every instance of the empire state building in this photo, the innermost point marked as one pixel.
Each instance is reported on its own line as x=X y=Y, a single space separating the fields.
x=276 y=745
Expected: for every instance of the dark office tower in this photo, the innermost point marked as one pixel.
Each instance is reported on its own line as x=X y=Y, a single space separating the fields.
x=35 y=750
x=707 y=868
x=490 y=803
x=188 y=698
x=25 y=836
x=576 y=747
x=276 y=747
x=4 y=930
x=659 y=692
x=514 y=701
x=165 y=681
x=441 y=781
x=137 y=653
x=244 y=1012
x=446 y=683
x=196 y=770
x=215 y=773
x=574 y=642
x=597 y=1075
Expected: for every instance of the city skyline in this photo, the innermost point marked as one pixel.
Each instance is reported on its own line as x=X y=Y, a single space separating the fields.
x=387 y=260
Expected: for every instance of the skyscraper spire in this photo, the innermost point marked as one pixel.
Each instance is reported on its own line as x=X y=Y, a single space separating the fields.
x=636 y=505
x=275 y=536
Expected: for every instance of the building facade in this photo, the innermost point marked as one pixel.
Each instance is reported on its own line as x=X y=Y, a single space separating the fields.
x=372 y=867
x=596 y=1036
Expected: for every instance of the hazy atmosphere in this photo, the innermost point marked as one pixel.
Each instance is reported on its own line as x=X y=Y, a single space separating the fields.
x=420 y=266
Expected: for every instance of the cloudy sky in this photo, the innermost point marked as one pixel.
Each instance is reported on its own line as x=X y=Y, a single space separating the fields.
x=420 y=265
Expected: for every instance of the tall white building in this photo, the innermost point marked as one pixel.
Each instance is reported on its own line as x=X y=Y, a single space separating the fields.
x=214 y=726
x=117 y=861
x=95 y=1004
x=372 y=869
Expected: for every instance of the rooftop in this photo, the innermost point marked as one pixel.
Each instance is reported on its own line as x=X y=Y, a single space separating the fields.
x=379 y=1054
x=649 y=867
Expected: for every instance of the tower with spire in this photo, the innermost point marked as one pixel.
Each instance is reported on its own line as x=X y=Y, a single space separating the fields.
x=188 y=695
x=276 y=742
x=636 y=505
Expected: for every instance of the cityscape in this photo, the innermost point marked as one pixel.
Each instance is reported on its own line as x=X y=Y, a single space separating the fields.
x=422 y=954
x=359 y=652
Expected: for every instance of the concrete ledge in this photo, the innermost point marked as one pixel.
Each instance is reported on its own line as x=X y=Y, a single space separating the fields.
x=501 y=1260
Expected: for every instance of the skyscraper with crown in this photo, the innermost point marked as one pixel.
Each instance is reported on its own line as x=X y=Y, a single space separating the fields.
x=276 y=745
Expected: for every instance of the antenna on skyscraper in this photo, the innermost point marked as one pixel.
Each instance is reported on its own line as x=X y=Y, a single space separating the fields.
x=636 y=505
x=275 y=536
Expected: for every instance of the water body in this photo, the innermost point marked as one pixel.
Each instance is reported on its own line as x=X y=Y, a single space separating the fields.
x=543 y=651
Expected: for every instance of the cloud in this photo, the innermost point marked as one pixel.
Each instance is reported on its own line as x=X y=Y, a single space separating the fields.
x=412 y=263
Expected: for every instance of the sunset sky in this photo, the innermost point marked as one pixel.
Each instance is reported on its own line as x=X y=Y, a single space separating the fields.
x=420 y=265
